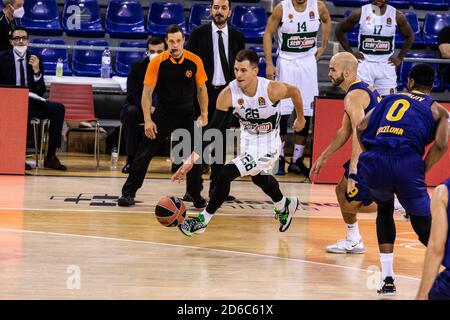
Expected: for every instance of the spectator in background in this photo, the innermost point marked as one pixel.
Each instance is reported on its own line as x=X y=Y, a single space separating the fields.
x=444 y=49
x=131 y=114
x=21 y=69
x=217 y=45
x=12 y=9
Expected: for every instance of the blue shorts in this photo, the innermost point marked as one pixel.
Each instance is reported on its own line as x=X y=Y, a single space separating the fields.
x=441 y=287
x=361 y=191
x=389 y=172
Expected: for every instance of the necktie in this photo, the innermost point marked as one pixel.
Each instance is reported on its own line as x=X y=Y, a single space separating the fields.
x=223 y=58
x=22 y=73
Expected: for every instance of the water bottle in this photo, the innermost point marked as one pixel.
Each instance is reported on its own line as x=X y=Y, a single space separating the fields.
x=114 y=158
x=105 y=70
x=59 y=68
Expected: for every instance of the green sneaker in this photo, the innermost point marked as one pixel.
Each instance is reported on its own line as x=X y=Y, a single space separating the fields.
x=193 y=225
x=285 y=216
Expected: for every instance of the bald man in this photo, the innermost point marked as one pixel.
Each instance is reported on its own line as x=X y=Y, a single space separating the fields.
x=352 y=195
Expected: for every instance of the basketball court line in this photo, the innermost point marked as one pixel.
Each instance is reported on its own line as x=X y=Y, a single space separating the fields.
x=224 y=251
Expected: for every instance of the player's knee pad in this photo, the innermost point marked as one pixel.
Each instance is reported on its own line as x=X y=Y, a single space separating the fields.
x=385 y=222
x=422 y=227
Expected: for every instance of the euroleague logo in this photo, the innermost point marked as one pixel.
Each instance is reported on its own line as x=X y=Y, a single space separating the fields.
x=188 y=74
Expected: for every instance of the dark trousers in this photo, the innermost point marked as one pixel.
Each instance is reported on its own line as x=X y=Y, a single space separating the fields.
x=213 y=93
x=53 y=111
x=166 y=123
x=132 y=118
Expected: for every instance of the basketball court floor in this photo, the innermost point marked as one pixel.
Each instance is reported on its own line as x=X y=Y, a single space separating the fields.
x=64 y=237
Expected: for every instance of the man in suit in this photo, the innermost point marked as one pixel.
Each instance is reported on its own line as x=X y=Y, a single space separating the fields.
x=217 y=45
x=12 y=9
x=131 y=114
x=19 y=68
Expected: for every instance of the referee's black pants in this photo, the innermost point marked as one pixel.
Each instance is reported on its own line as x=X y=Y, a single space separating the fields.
x=165 y=123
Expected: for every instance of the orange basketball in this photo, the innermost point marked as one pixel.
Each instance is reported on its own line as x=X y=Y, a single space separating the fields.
x=170 y=211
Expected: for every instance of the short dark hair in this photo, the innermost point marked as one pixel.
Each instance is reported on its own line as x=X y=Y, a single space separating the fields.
x=423 y=76
x=18 y=28
x=154 y=41
x=174 y=28
x=229 y=3
x=249 y=55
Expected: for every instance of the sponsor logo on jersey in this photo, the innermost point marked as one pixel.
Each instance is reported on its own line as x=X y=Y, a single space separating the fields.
x=389 y=22
x=370 y=44
x=301 y=42
x=312 y=16
x=263 y=127
x=240 y=101
x=261 y=101
x=290 y=17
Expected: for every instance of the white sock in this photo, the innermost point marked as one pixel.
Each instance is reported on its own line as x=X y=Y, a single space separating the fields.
x=353 y=232
x=298 y=152
x=280 y=204
x=387 y=265
x=207 y=216
x=282 y=148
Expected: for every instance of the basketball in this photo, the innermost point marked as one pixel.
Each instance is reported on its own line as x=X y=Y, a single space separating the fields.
x=170 y=211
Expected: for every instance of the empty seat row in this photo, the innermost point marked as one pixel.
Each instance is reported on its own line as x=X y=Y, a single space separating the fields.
x=399 y=4
x=125 y=19
x=433 y=24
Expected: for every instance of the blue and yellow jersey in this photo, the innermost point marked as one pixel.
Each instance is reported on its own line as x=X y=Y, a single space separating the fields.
x=401 y=121
x=446 y=261
x=375 y=98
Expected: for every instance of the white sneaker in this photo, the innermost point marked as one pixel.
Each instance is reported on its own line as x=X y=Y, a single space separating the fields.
x=399 y=208
x=285 y=216
x=347 y=246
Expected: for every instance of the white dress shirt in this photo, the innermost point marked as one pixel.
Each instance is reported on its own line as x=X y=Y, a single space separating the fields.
x=218 y=76
x=24 y=62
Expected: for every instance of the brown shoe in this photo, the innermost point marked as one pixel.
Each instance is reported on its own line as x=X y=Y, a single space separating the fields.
x=52 y=162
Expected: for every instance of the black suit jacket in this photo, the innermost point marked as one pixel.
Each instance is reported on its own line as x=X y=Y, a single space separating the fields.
x=8 y=73
x=135 y=81
x=200 y=43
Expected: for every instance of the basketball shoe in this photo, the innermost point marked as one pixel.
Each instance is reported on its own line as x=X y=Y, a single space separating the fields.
x=193 y=225
x=347 y=246
x=285 y=216
x=387 y=287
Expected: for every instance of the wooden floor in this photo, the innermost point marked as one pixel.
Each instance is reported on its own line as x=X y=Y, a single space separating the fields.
x=63 y=236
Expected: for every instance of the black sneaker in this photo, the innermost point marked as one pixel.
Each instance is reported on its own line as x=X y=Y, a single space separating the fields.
x=193 y=225
x=299 y=168
x=388 y=287
x=281 y=164
x=125 y=201
x=187 y=198
x=126 y=168
x=200 y=203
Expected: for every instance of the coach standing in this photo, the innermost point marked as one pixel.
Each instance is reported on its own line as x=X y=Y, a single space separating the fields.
x=175 y=75
x=217 y=45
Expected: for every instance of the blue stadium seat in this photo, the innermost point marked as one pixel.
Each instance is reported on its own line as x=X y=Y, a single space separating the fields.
x=434 y=22
x=125 y=19
x=251 y=21
x=87 y=63
x=200 y=14
x=90 y=19
x=50 y=56
x=124 y=60
x=262 y=66
x=406 y=67
x=350 y=3
x=430 y=4
x=352 y=35
x=414 y=23
x=399 y=4
x=163 y=14
x=41 y=17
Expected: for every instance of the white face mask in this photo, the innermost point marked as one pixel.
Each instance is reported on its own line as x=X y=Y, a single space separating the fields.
x=152 y=55
x=20 y=50
x=18 y=13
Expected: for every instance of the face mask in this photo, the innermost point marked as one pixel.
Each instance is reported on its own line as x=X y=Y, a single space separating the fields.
x=20 y=50
x=152 y=55
x=18 y=13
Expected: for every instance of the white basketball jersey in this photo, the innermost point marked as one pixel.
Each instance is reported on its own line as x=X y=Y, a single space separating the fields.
x=257 y=114
x=377 y=33
x=297 y=35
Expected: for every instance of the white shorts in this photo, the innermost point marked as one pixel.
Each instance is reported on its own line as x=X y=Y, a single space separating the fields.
x=381 y=75
x=301 y=73
x=259 y=154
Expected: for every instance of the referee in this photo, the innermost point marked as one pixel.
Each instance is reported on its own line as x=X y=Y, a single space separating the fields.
x=175 y=75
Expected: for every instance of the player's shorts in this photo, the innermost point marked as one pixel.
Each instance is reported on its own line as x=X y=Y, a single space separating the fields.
x=380 y=75
x=301 y=73
x=400 y=172
x=361 y=192
x=259 y=154
x=285 y=120
x=441 y=287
